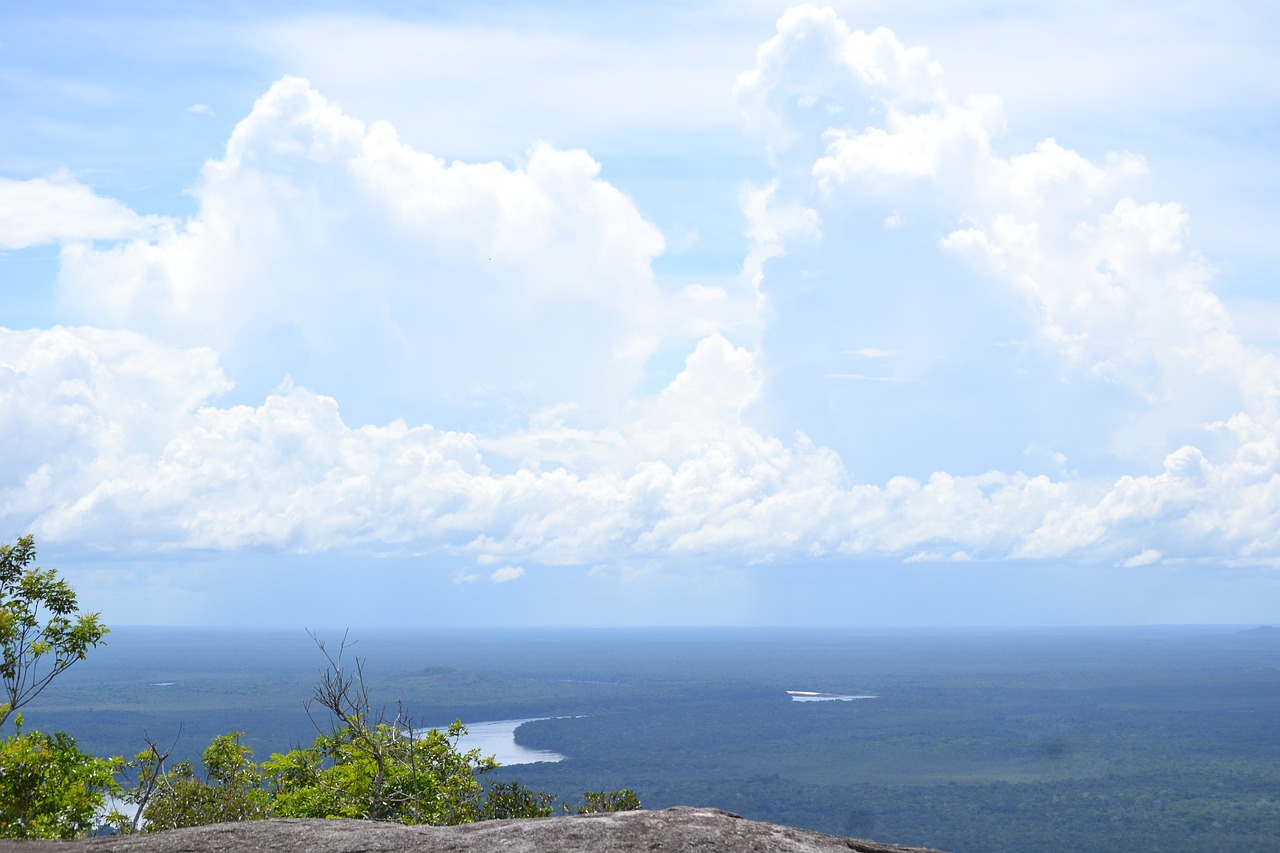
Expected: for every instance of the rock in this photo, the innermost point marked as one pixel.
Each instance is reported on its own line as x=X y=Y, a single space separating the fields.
x=678 y=830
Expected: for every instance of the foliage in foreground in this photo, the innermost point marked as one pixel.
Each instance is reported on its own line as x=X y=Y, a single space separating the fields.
x=390 y=777
x=365 y=766
x=49 y=788
x=42 y=632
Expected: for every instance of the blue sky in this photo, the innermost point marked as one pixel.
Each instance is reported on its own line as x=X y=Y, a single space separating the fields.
x=875 y=314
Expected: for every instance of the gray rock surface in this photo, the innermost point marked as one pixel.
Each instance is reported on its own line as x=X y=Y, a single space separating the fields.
x=675 y=830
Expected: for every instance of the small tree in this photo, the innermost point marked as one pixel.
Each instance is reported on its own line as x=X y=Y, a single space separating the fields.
x=365 y=764
x=232 y=790
x=41 y=631
x=48 y=787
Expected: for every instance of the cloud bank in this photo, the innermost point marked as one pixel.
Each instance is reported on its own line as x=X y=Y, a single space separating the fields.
x=352 y=344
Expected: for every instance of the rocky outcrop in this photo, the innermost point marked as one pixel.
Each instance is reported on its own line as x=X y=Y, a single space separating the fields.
x=679 y=830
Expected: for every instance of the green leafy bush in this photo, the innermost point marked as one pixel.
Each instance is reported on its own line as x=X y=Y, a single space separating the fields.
x=622 y=800
x=366 y=767
x=380 y=772
x=49 y=788
x=232 y=789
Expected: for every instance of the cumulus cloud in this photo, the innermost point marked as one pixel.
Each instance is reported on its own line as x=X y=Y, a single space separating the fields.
x=401 y=295
x=60 y=209
x=1112 y=281
x=506 y=574
x=329 y=249
x=1145 y=558
x=75 y=404
x=685 y=475
x=1114 y=295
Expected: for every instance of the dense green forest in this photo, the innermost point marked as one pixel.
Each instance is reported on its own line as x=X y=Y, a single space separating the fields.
x=1113 y=741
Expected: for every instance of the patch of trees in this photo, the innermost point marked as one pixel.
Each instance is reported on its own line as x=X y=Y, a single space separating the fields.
x=365 y=763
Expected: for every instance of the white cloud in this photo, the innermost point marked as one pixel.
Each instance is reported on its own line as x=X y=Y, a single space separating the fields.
x=77 y=403
x=1114 y=286
x=379 y=275
x=858 y=120
x=683 y=476
x=60 y=209
x=330 y=249
x=1145 y=558
x=506 y=574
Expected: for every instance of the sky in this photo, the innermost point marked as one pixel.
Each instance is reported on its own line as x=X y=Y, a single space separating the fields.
x=478 y=314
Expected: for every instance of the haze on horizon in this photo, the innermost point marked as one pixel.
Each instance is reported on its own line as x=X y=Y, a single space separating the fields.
x=733 y=313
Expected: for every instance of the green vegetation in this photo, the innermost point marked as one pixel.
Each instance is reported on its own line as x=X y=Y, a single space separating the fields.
x=49 y=788
x=42 y=632
x=384 y=773
x=365 y=765
x=230 y=791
